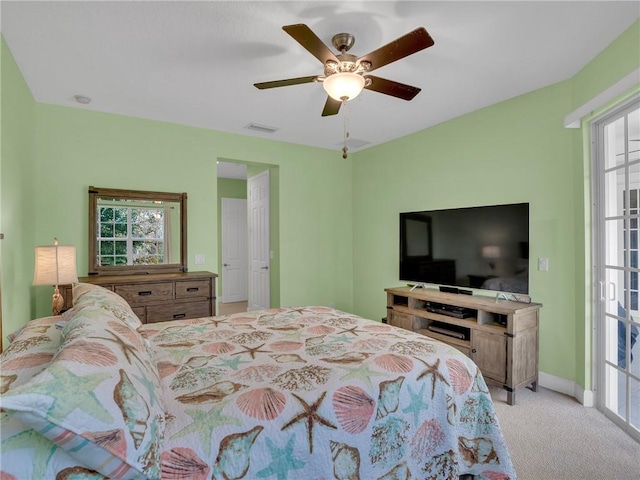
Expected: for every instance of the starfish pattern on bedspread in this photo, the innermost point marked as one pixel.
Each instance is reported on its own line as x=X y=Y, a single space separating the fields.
x=310 y=416
x=282 y=460
x=126 y=349
x=252 y=351
x=341 y=339
x=362 y=372
x=232 y=363
x=353 y=330
x=434 y=371
x=205 y=422
x=74 y=386
x=217 y=322
x=416 y=404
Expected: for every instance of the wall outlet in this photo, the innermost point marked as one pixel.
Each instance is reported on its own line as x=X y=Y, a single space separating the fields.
x=543 y=264
x=199 y=259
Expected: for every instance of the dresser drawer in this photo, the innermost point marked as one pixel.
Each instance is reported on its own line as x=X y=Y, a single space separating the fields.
x=193 y=289
x=159 y=297
x=141 y=313
x=145 y=293
x=178 y=311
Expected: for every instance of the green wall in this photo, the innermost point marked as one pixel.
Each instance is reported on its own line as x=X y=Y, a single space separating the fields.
x=107 y=150
x=45 y=182
x=512 y=152
x=616 y=61
x=17 y=198
x=337 y=219
x=515 y=151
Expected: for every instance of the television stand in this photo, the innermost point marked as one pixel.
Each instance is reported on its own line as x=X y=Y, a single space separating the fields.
x=500 y=337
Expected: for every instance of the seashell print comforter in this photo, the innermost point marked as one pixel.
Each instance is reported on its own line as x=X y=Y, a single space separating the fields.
x=291 y=393
x=314 y=393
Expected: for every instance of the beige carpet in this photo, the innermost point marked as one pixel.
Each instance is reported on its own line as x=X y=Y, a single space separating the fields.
x=551 y=436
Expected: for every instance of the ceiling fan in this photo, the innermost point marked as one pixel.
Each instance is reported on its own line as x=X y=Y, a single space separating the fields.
x=345 y=75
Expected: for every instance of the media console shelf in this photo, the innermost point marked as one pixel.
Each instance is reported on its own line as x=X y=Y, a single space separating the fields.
x=500 y=337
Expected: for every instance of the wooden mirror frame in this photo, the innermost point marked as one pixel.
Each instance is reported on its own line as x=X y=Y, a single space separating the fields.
x=96 y=269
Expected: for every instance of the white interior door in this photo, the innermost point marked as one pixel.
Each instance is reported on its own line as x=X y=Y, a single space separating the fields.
x=258 y=206
x=235 y=273
x=617 y=239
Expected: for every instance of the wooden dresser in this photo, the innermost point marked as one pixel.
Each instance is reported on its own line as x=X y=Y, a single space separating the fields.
x=161 y=296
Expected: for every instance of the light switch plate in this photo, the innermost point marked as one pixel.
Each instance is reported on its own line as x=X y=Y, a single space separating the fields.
x=199 y=260
x=543 y=264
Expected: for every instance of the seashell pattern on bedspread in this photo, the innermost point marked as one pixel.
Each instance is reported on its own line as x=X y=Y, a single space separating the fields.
x=313 y=392
x=286 y=393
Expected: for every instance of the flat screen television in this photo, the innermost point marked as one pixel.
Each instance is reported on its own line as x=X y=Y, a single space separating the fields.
x=483 y=247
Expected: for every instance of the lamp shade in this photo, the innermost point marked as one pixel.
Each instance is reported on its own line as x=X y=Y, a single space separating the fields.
x=55 y=265
x=491 y=251
x=344 y=85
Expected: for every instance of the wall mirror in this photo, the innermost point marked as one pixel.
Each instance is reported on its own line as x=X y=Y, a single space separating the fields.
x=136 y=232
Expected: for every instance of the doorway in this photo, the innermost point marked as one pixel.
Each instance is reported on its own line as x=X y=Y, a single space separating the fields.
x=616 y=167
x=234 y=276
x=233 y=182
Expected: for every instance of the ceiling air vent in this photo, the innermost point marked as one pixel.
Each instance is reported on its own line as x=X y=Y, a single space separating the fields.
x=261 y=128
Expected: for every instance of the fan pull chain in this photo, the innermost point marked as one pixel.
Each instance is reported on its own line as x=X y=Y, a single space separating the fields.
x=345 y=107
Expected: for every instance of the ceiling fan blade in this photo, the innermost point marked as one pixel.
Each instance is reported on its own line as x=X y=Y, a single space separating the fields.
x=286 y=83
x=309 y=40
x=402 y=47
x=331 y=107
x=389 y=87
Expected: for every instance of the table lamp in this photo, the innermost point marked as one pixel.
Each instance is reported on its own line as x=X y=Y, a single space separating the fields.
x=492 y=254
x=55 y=265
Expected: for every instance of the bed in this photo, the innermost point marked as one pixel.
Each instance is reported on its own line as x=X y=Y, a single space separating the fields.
x=518 y=283
x=288 y=393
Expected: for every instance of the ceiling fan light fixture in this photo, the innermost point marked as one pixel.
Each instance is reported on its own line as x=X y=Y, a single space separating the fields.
x=343 y=86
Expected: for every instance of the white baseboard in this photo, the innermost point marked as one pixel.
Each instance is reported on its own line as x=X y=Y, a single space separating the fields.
x=568 y=387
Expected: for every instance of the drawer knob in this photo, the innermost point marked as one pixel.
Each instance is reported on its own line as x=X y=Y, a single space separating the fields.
x=192 y=289
x=179 y=315
x=473 y=350
x=144 y=294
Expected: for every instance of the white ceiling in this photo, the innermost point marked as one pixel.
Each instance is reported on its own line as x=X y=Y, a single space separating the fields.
x=236 y=171
x=195 y=63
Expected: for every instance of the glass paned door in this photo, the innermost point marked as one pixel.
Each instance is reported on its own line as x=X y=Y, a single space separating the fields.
x=617 y=210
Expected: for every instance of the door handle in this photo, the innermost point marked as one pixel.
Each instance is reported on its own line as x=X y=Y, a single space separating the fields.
x=226 y=265
x=264 y=268
x=612 y=290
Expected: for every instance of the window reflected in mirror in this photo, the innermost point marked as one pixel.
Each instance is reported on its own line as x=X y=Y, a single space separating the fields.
x=136 y=231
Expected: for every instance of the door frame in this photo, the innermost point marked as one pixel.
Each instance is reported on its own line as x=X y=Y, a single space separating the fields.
x=598 y=308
